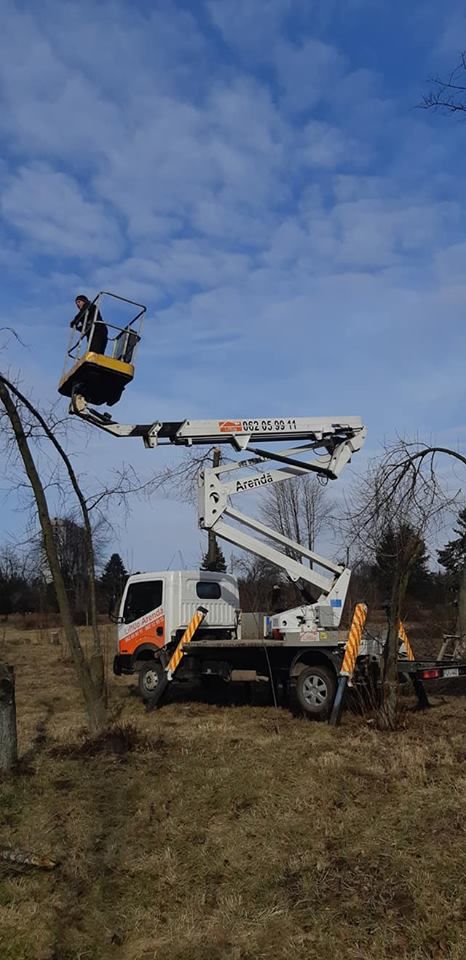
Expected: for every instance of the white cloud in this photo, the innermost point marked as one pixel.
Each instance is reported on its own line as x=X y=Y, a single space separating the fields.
x=371 y=233
x=214 y=166
x=450 y=26
x=179 y=265
x=451 y=261
x=248 y=26
x=324 y=146
x=50 y=210
x=309 y=73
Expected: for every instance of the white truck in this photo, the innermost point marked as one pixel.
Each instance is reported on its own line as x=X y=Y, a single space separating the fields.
x=156 y=608
x=302 y=651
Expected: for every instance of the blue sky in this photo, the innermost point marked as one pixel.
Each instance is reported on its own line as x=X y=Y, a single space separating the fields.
x=257 y=172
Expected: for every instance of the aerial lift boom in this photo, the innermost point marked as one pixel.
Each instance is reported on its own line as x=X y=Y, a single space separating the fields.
x=326 y=445
x=238 y=433
x=321 y=445
x=328 y=584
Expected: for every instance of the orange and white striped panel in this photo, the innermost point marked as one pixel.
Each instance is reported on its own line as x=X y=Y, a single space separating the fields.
x=404 y=639
x=188 y=635
x=353 y=642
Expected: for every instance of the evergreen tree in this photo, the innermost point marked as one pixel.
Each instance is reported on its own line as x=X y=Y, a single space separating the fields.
x=114 y=576
x=390 y=548
x=453 y=554
x=217 y=564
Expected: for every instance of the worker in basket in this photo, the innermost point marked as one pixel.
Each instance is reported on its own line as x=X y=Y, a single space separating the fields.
x=88 y=321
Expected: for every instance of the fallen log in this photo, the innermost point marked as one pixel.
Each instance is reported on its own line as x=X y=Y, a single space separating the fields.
x=26 y=859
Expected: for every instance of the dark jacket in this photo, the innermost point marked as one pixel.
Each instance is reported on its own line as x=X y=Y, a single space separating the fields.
x=84 y=319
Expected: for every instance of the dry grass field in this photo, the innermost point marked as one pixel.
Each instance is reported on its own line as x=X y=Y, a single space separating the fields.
x=200 y=833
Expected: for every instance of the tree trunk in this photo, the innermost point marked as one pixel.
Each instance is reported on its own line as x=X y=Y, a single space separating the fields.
x=8 y=741
x=92 y=695
x=388 y=712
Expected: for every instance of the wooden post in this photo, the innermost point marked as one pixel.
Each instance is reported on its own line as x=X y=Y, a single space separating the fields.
x=8 y=740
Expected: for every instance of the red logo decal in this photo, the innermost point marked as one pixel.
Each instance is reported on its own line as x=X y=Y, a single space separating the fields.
x=230 y=426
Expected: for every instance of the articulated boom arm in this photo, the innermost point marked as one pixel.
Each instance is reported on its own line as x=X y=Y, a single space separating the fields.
x=323 y=432
x=215 y=506
x=323 y=445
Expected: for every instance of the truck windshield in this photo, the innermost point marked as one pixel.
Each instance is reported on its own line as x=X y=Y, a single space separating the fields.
x=142 y=597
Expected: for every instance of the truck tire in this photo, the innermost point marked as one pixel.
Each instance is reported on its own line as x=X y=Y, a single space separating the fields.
x=314 y=691
x=150 y=675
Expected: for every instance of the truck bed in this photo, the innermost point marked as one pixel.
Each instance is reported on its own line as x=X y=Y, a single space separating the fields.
x=258 y=642
x=420 y=669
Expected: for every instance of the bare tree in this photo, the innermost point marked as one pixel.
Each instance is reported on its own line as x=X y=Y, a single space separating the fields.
x=257 y=579
x=298 y=508
x=419 y=462
x=72 y=549
x=178 y=481
x=16 y=579
x=400 y=495
x=97 y=660
x=90 y=679
x=449 y=93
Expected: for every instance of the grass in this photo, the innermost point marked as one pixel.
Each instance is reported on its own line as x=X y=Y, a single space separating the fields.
x=197 y=833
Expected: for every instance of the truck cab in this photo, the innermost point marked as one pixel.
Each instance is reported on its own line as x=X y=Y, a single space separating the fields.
x=156 y=608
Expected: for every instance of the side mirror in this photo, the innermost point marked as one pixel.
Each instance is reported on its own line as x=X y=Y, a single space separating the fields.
x=111 y=611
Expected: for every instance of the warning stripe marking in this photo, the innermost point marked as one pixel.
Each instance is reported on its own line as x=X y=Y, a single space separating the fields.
x=404 y=639
x=194 y=625
x=354 y=640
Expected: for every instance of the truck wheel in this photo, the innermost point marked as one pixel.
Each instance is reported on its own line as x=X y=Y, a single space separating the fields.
x=150 y=675
x=314 y=691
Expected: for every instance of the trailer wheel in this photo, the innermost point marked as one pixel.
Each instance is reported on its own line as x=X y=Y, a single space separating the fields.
x=150 y=675
x=314 y=691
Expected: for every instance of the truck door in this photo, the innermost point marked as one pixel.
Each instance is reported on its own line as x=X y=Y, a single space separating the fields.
x=143 y=617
